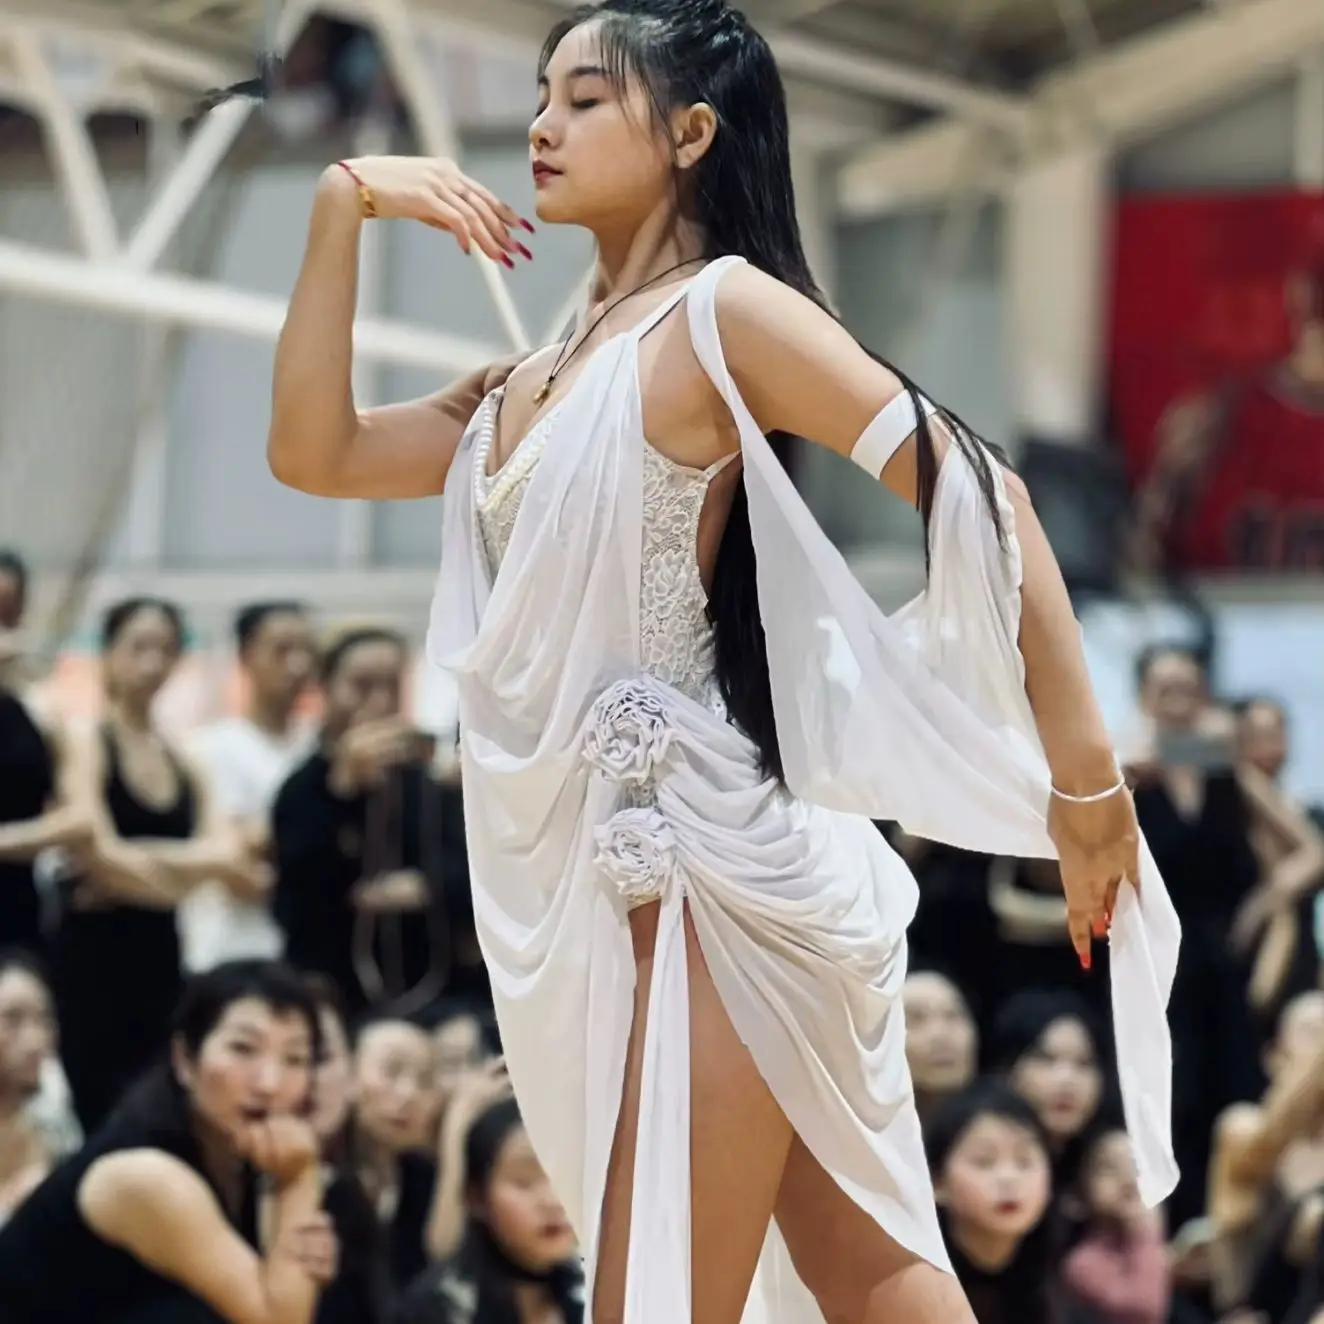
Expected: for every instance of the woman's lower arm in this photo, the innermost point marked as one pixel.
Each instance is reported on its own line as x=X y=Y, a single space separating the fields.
x=1057 y=681
x=27 y=839
x=313 y=420
x=290 y=1292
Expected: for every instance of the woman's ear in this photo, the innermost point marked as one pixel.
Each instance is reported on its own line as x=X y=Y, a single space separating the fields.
x=692 y=132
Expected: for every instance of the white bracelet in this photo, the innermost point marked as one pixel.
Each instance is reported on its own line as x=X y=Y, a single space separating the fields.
x=1090 y=799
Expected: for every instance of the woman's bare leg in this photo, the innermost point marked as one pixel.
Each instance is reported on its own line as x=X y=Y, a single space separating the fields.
x=857 y=1273
x=738 y=1147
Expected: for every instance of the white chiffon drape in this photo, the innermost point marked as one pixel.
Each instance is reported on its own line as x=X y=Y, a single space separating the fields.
x=590 y=785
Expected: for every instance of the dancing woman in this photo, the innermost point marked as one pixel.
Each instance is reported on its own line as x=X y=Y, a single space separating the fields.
x=678 y=705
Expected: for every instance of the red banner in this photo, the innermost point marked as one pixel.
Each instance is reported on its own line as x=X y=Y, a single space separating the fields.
x=1217 y=378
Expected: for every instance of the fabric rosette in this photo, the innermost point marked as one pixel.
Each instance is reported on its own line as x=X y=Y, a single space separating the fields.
x=637 y=854
x=630 y=731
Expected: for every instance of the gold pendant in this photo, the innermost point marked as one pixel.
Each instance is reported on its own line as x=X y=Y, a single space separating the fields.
x=541 y=394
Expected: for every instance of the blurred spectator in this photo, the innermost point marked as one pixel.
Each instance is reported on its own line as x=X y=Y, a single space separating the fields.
x=1119 y=1268
x=516 y=1263
x=1274 y=928
x=155 y=1218
x=1046 y=1043
x=13 y=589
x=394 y=1137
x=1197 y=819
x=27 y=1039
x=942 y=1043
x=1267 y=1175
x=248 y=757
x=988 y=1153
x=359 y=837
x=156 y=832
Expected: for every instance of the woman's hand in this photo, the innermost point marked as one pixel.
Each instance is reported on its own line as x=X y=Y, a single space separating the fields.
x=1098 y=845
x=438 y=193
x=311 y=1243
x=285 y=1148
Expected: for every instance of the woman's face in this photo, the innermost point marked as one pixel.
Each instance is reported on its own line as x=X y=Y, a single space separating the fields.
x=139 y=660
x=458 y=1044
x=1262 y=738
x=1060 y=1078
x=599 y=156
x=940 y=1034
x=27 y=1032
x=523 y=1215
x=996 y=1180
x=332 y=1079
x=256 y=1063
x=366 y=685
x=1173 y=691
x=1300 y=1032
x=1111 y=1184
x=395 y=1084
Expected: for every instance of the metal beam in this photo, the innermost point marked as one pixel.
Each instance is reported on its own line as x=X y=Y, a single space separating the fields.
x=182 y=301
x=1123 y=94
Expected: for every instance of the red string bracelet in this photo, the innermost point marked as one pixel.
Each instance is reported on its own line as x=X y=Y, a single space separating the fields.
x=367 y=203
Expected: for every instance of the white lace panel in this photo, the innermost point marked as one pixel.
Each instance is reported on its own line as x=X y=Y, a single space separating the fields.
x=675 y=637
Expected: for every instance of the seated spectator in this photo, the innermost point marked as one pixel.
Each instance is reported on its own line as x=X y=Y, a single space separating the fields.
x=942 y=1044
x=992 y=1177
x=1119 y=1268
x=1046 y=1044
x=155 y=1218
x=247 y=759
x=1266 y=1184
x=358 y=837
x=27 y=1039
x=517 y=1261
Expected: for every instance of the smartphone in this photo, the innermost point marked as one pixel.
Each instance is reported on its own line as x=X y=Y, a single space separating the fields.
x=1192 y=749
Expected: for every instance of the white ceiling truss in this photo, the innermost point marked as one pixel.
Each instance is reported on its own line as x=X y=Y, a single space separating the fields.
x=1117 y=95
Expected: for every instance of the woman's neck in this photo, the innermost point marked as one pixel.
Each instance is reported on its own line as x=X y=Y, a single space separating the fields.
x=129 y=717
x=535 y=1305
x=989 y=1251
x=275 y=717
x=16 y=1137
x=221 y=1163
x=629 y=258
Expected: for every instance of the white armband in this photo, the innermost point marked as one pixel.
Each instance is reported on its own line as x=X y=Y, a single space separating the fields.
x=893 y=423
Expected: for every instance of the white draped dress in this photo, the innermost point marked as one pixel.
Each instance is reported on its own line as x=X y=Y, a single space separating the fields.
x=600 y=772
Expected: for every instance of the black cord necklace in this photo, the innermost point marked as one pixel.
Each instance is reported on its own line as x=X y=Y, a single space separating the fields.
x=563 y=360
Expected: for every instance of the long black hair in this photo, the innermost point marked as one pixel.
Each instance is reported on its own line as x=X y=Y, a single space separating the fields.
x=689 y=51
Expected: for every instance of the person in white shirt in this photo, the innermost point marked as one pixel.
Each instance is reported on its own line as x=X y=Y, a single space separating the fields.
x=248 y=758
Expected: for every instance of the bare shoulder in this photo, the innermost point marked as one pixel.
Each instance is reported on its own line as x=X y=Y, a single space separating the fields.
x=126 y=1194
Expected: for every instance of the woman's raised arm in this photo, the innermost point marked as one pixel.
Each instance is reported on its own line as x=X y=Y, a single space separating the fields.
x=801 y=372
x=319 y=442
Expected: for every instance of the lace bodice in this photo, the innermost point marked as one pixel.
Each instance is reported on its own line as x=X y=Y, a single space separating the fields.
x=675 y=636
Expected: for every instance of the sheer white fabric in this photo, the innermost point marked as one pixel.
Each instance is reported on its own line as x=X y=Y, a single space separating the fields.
x=800 y=907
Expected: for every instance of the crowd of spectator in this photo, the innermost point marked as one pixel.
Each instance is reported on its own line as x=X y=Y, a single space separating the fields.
x=271 y=922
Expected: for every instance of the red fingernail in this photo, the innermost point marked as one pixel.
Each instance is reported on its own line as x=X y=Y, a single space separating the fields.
x=528 y=225
x=523 y=252
x=1086 y=960
x=508 y=262
x=1100 y=927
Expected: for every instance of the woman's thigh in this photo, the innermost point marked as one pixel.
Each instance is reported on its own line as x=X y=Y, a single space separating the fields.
x=857 y=1273
x=738 y=1147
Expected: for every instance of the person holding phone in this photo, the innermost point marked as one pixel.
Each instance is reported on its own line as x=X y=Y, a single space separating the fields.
x=357 y=836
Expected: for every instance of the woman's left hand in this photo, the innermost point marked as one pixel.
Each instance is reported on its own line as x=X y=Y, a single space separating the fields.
x=314 y=1248
x=1098 y=846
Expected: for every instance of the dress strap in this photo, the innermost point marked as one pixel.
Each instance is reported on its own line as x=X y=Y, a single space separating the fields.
x=641 y=329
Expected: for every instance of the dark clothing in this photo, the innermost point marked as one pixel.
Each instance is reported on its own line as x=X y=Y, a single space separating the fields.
x=325 y=846
x=27 y=783
x=55 y=1270
x=474 y=1290
x=361 y=1290
x=115 y=972
x=1209 y=866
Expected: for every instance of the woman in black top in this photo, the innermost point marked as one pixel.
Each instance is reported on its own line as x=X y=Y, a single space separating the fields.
x=32 y=817
x=517 y=1262
x=359 y=840
x=115 y=960
x=155 y=1217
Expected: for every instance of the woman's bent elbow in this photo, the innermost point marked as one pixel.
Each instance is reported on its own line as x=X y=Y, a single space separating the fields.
x=299 y=471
